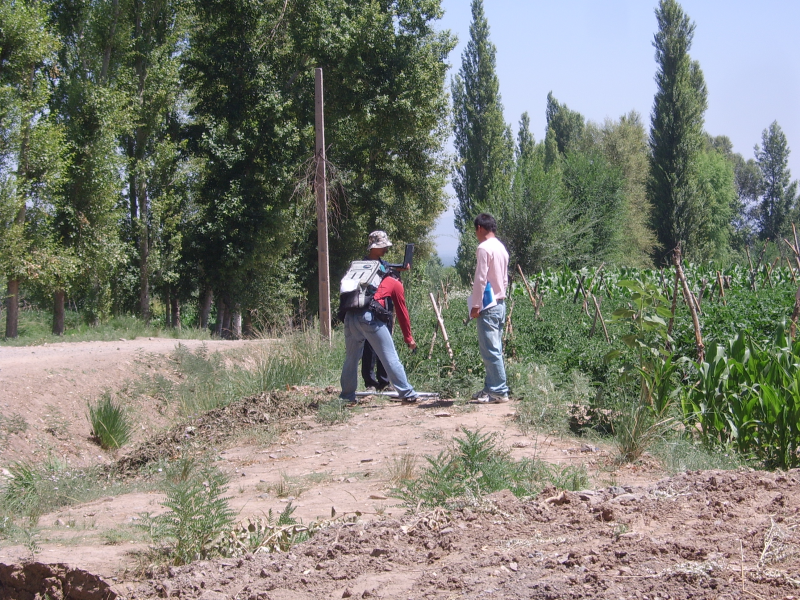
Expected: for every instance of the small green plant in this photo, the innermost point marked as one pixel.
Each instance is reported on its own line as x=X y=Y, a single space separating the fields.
x=271 y=534
x=475 y=466
x=197 y=514
x=21 y=494
x=333 y=412
x=635 y=431
x=110 y=423
x=289 y=486
x=402 y=468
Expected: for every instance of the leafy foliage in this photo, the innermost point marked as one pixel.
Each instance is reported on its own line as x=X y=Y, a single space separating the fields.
x=476 y=466
x=748 y=396
x=676 y=134
x=197 y=514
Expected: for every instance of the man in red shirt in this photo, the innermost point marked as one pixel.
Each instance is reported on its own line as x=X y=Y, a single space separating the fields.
x=370 y=324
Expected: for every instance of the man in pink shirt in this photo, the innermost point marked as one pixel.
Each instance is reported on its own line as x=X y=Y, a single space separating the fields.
x=487 y=305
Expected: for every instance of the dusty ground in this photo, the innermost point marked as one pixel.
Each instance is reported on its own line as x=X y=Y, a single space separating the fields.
x=635 y=534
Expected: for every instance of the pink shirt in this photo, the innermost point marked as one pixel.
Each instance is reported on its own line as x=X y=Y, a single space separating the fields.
x=492 y=267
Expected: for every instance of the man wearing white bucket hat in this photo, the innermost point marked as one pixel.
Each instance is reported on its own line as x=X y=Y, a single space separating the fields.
x=367 y=325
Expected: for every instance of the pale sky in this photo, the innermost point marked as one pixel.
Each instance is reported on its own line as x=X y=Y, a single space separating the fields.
x=597 y=57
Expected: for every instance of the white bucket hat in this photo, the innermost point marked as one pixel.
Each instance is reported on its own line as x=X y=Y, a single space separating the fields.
x=379 y=239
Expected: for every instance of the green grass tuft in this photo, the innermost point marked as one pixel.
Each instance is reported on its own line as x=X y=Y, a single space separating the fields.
x=110 y=423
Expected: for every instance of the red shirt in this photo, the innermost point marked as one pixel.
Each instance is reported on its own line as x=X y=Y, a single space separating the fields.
x=393 y=288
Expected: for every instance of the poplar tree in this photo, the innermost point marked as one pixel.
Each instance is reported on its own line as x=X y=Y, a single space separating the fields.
x=152 y=61
x=483 y=141
x=778 y=191
x=92 y=109
x=32 y=156
x=676 y=134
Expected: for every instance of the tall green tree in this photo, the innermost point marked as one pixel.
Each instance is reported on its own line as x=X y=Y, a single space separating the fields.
x=748 y=184
x=483 y=141
x=533 y=221
x=778 y=192
x=32 y=156
x=716 y=189
x=566 y=126
x=385 y=113
x=93 y=109
x=676 y=134
x=624 y=145
x=151 y=81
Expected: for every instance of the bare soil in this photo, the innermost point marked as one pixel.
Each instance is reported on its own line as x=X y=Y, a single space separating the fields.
x=635 y=534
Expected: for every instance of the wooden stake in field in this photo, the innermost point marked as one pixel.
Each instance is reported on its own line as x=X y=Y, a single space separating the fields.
x=721 y=289
x=528 y=287
x=321 y=189
x=698 y=337
x=444 y=331
x=795 y=314
x=509 y=332
x=598 y=314
x=752 y=271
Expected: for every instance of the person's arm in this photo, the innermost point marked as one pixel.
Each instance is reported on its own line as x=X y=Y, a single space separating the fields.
x=399 y=299
x=479 y=284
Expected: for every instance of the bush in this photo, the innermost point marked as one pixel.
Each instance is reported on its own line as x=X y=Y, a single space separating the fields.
x=110 y=424
x=198 y=513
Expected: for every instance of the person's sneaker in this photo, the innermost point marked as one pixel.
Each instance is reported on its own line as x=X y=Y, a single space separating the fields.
x=409 y=399
x=371 y=389
x=481 y=396
x=498 y=398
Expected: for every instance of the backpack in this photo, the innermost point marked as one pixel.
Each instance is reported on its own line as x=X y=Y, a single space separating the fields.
x=359 y=284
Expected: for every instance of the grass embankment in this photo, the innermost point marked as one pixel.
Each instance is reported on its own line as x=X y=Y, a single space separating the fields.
x=35 y=328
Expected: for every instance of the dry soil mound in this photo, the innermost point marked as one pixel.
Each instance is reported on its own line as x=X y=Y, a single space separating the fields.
x=698 y=535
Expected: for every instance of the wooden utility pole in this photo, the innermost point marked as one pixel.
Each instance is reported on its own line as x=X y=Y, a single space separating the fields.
x=321 y=188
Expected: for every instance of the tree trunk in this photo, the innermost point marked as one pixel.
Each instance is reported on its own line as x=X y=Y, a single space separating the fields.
x=236 y=325
x=144 y=251
x=247 y=325
x=221 y=310
x=175 y=311
x=167 y=308
x=226 y=323
x=58 y=312
x=12 y=309
x=205 y=307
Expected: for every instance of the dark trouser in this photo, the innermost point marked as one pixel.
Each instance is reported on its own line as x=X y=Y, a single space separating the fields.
x=371 y=365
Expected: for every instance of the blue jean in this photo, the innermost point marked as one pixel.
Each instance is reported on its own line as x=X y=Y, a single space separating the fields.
x=360 y=326
x=490 y=342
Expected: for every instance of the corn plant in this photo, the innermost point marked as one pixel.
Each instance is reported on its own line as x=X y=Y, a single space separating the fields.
x=748 y=396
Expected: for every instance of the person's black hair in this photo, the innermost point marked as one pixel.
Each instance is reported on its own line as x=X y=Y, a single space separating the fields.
x=486 y=221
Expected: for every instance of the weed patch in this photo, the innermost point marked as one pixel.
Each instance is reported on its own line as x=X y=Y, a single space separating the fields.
x=111 y=426
x=476 y=466
x=197 y=511
x=334 y=411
